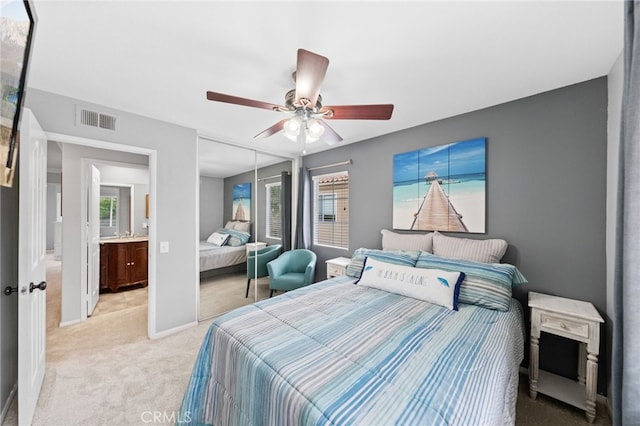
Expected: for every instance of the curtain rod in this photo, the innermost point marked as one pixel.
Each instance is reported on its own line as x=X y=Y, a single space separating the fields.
x=271 y=177
x=344 y=163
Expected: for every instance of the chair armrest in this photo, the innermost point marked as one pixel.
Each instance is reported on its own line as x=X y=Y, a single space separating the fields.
x=277 y=267
x=309 y=273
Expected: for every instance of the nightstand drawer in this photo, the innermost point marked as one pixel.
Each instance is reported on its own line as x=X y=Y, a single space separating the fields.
x=549 y=321
x=334 y=270
x=337 y=267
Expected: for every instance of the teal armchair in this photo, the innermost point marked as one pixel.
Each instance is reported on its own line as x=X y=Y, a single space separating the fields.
x=292 y=269
x=261 y=257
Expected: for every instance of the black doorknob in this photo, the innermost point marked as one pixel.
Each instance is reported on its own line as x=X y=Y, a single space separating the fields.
x=40 y=286
x=8 y=290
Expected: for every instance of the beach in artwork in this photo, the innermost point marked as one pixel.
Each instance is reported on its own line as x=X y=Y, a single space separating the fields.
x=465 y=197
x=458 y=169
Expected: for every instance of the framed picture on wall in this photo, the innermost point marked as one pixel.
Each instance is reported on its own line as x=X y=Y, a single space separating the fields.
x=242 y=201
x=441 y=188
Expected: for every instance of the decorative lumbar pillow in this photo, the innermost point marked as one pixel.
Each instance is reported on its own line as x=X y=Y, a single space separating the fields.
x=487 y=251
x=431 y=285
x=398 y=257
x=395 y=241
x=218 y=238
x=485 y=284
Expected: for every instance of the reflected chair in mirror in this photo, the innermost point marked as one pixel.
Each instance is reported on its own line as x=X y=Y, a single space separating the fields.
x=291 y=270
x=261 y=258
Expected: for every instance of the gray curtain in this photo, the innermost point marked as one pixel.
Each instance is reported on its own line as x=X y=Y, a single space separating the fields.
x=285 y=210
x=303 y=224
x=626 y=327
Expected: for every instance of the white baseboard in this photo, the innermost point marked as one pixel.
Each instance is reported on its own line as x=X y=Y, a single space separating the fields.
x=68 y=323
x=7 y=404
x=172 y=331
x=599 y=398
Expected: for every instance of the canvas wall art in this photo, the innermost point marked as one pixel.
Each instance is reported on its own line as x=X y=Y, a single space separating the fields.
x=441 y=188
x=242 y=201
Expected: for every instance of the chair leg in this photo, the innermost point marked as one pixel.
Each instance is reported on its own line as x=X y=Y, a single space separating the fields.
x=271 y=293
x=248 y=283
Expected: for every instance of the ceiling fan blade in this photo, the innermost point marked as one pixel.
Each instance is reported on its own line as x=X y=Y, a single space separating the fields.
x=329 y=136
x=221 y=97
x=310 y=72
x=359 y=112
x=278 y=127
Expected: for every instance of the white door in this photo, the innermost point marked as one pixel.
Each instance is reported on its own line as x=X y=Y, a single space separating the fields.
x=31 y=265
x=93 y=238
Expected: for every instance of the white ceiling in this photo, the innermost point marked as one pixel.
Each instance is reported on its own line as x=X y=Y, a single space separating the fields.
x=431 y=59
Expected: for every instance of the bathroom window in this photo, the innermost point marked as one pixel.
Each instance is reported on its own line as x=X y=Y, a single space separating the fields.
x=109 y=211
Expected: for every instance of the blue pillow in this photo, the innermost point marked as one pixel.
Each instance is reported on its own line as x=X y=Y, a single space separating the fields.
x=485 y=284
x=397 y=257
x=236 y=238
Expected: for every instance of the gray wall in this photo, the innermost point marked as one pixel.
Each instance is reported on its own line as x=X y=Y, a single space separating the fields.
x=211 y=205
x=175 y=222
x=546 y=188
x=8 y=304
x=263 y=172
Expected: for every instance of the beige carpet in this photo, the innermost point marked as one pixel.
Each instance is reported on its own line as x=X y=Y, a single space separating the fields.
x=106 y=372
x=226 y=292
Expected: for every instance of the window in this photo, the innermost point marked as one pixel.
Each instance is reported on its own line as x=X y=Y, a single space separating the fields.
x=273 y=210
x=331 y=210
x=109 y=211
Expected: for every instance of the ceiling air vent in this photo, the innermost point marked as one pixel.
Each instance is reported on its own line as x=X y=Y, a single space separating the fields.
x=91 y=118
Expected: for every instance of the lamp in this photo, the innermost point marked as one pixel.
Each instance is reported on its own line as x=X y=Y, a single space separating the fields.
x=309 y=128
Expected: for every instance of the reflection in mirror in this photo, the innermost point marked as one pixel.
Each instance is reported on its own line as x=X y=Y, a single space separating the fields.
x=232 y=225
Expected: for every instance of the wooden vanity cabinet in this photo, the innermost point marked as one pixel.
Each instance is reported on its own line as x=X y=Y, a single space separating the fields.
x=123 y=264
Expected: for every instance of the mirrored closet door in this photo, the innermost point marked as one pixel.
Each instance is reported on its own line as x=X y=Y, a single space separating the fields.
x=240 y=213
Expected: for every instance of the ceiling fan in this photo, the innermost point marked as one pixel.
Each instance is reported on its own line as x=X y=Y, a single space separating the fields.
x=304 y=104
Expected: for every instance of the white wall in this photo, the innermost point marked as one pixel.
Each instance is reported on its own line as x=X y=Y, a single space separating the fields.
x=175 y=152
x=211 y=205
x=614 y=86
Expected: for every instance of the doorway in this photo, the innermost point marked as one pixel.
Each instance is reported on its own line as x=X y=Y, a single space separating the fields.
x=120 y=161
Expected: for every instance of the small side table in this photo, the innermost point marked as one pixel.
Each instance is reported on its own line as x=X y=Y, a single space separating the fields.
x=572 y=319
x=251 y=247
x=337 y=266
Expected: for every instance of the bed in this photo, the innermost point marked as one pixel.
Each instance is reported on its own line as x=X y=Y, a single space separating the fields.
x=216 y=257
x=340 y=353
x=225 y=248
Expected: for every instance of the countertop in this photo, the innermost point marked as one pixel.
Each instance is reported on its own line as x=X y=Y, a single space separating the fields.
x=106 y=240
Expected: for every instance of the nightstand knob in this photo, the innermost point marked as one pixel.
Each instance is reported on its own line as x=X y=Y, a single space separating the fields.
x=564 y=326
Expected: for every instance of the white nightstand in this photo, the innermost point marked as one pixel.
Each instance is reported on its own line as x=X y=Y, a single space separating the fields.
x=574 y=320
x=337 y=266
x=255 y=246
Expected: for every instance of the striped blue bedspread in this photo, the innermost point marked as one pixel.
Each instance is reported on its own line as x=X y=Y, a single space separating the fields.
x=336 y=353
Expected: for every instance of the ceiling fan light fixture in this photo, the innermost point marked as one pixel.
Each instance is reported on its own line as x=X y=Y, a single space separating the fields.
x=292 y=128
x=314 y=130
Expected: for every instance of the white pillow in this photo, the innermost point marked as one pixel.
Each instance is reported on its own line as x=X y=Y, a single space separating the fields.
x=407 y=242
x=242 y=226
x=230 y=225
x=218 y=239
x=485 y=251
x=431 y=285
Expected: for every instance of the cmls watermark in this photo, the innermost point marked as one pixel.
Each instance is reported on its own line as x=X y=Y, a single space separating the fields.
x=164 y=417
